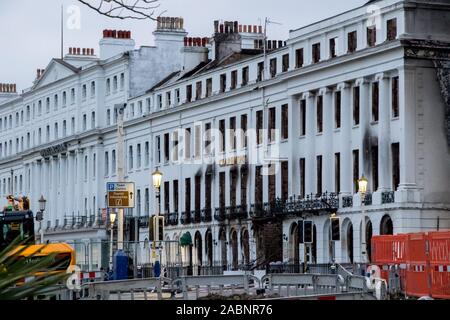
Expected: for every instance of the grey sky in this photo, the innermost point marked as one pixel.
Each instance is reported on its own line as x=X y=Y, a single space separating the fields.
x=30 y=34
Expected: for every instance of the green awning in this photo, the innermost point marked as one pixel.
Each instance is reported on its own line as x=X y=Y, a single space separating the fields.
x=186 y=240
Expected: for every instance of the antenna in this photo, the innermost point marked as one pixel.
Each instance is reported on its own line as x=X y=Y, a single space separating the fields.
x=62 y=31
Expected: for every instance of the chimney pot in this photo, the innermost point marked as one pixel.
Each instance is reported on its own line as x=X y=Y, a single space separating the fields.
x=236 y=27
x=249 y=29
x=84 y=51
x=240 y=28
x=78 y=51
x=105 y=33
x=255 y=29
x=70 y=50
x=221 y=28
x=260 y=29
x=185 y=41
x=216 y=26
x=114 y=34
x=280 y=44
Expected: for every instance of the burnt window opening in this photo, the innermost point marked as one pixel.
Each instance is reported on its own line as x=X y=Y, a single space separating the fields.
x=260 y=75
x=198 y=143
x=175 y=196
x=395 y=165
x=333 y=48
x=244 y=130
x=166 y=148
x=355 y=170
x=233 y=133
x=284 y=180
x=167 y=197
x=244 y=182
x=198 y=193
x=374 y=157
x=259 y=126
x=233 y=187
x=187 y=143
x=189 y=93
x=319 y=175
x=356 y=103
x=316 y=52
x=223 y=82
x=302 y=178
x=395 y=97
x=271 y=125
x=337 y=109
x=319 y=114
x=208 y=87
x=352 y=41
x=273 y=67
x=272 y=183
x=222 y=190
x=258 y=185
x=375 y=101
x=285 y=67
x=337 y=172
x=302 y=117
x=158 y=149
x=208 y=138
x=198 y=90
x=299 y=58
x=391 y=29
x=371 y=36
x=233 y=79
x=285 y=121
x=187 y=195
x=175 y=146
x=245 y=76
x=208 y=189
x=222 y=135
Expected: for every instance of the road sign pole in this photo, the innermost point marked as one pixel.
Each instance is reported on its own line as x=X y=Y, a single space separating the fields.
x=120 y=170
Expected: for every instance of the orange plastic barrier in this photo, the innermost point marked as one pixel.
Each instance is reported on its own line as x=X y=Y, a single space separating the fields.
x=426 y=257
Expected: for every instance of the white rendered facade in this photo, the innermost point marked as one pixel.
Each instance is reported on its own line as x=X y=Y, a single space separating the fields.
x=400 y=143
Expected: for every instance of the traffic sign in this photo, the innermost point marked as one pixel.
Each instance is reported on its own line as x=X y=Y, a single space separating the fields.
x=120 y=195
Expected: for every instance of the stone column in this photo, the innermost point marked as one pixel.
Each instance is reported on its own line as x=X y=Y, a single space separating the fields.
x=328 y=160
x=346 y=139
x=310 y=166
x=293 y=116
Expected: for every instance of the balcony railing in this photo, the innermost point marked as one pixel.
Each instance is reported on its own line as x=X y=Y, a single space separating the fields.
x=171 y=219
x=143 y=222
x=196 y=216
x=206 y=215
x=347 y=202
x=368 y=199
x=220 y=214
x=185 y=218
x=388 y=197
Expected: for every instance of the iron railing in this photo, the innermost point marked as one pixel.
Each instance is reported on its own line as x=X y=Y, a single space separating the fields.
x=368 y=199
x=196 y=216
x=347 y=202
x=171 y=219
x=220 y=214
x=388 y=197
x=206 y=215
x=185 y=218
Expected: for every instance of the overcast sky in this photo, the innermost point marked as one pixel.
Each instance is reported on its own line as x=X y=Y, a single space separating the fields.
x=30 y=29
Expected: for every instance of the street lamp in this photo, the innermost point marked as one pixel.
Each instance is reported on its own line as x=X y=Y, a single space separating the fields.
x=157 y=178
x=362 y=186
x=112 y=219
x=40 y=216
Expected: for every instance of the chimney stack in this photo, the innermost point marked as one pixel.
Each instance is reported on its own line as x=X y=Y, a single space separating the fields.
x=8 y=88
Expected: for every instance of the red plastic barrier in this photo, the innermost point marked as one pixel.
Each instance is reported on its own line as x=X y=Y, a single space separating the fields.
x=439 y=245
x=389 y=250
x=417 y=281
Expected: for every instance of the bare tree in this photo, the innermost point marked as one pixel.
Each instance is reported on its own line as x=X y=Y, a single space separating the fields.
x=124 y=9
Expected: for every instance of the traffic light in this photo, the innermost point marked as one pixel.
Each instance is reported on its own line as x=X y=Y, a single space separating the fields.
x=308 y=232
x=335 y=229
x=156 y=223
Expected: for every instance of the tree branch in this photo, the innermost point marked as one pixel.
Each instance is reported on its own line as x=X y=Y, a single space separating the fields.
x=124 y=9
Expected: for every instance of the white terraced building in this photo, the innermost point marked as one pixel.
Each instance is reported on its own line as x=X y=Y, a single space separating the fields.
x=250 y=141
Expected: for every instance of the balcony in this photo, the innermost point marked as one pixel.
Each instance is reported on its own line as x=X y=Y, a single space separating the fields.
x=196 y=216
x=185 y=218
x=206 y=215
x=171 y=219
x=220 y=214
x=347 y=202
x=368 y=199
x=387 y=197
x=143 y=222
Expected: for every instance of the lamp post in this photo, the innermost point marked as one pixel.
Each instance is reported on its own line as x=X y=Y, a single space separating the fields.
x=40 y=216
x=112 y=219
x=157 y=178
x=362 y=186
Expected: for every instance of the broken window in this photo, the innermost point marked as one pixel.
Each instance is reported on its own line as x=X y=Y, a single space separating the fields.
x=233 y=79
x=208 y=189
x=223 y=82
x=245 y=73
x=374 y=157
x=189 y=93
x=302 y=117
x=284 y=180
x=375 y=101
x=222 y=135
x=352 y=41
x=259 y=126
x=285 y=63
x=391 y=29
x=198 y=194
x=233 y=187
x=319 y=175
x=337 y=109
x=175 y=196
x=333 y=48
x=299 y=58
x=355 y=170
x=158 y=149
x=166 y=148
x=198 y=90
x=187 y=196
x=316 y=52
x=233 y=133
x=371 y=36
x=198 y=139
x=166 y=197
x=260 y=75
x=356 y=106
x=319 y=114
x=258 y=185
x=271 y=125
x=272 y=183
x=222 y=190
x=244 y=180
x=302 y=178
x=175 y=146
x=209 y=87
x=208 y=138
x=395 y=165
x=273 y=67
x=187 y=143
x=244 y=130
x=285 y=121
x=337 y=172
x=395 y=98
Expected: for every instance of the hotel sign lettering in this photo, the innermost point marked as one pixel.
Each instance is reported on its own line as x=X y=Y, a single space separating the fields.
x=233 y=161
x=60 y=148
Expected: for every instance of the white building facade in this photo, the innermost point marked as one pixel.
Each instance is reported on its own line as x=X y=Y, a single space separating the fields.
x=249 y=143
